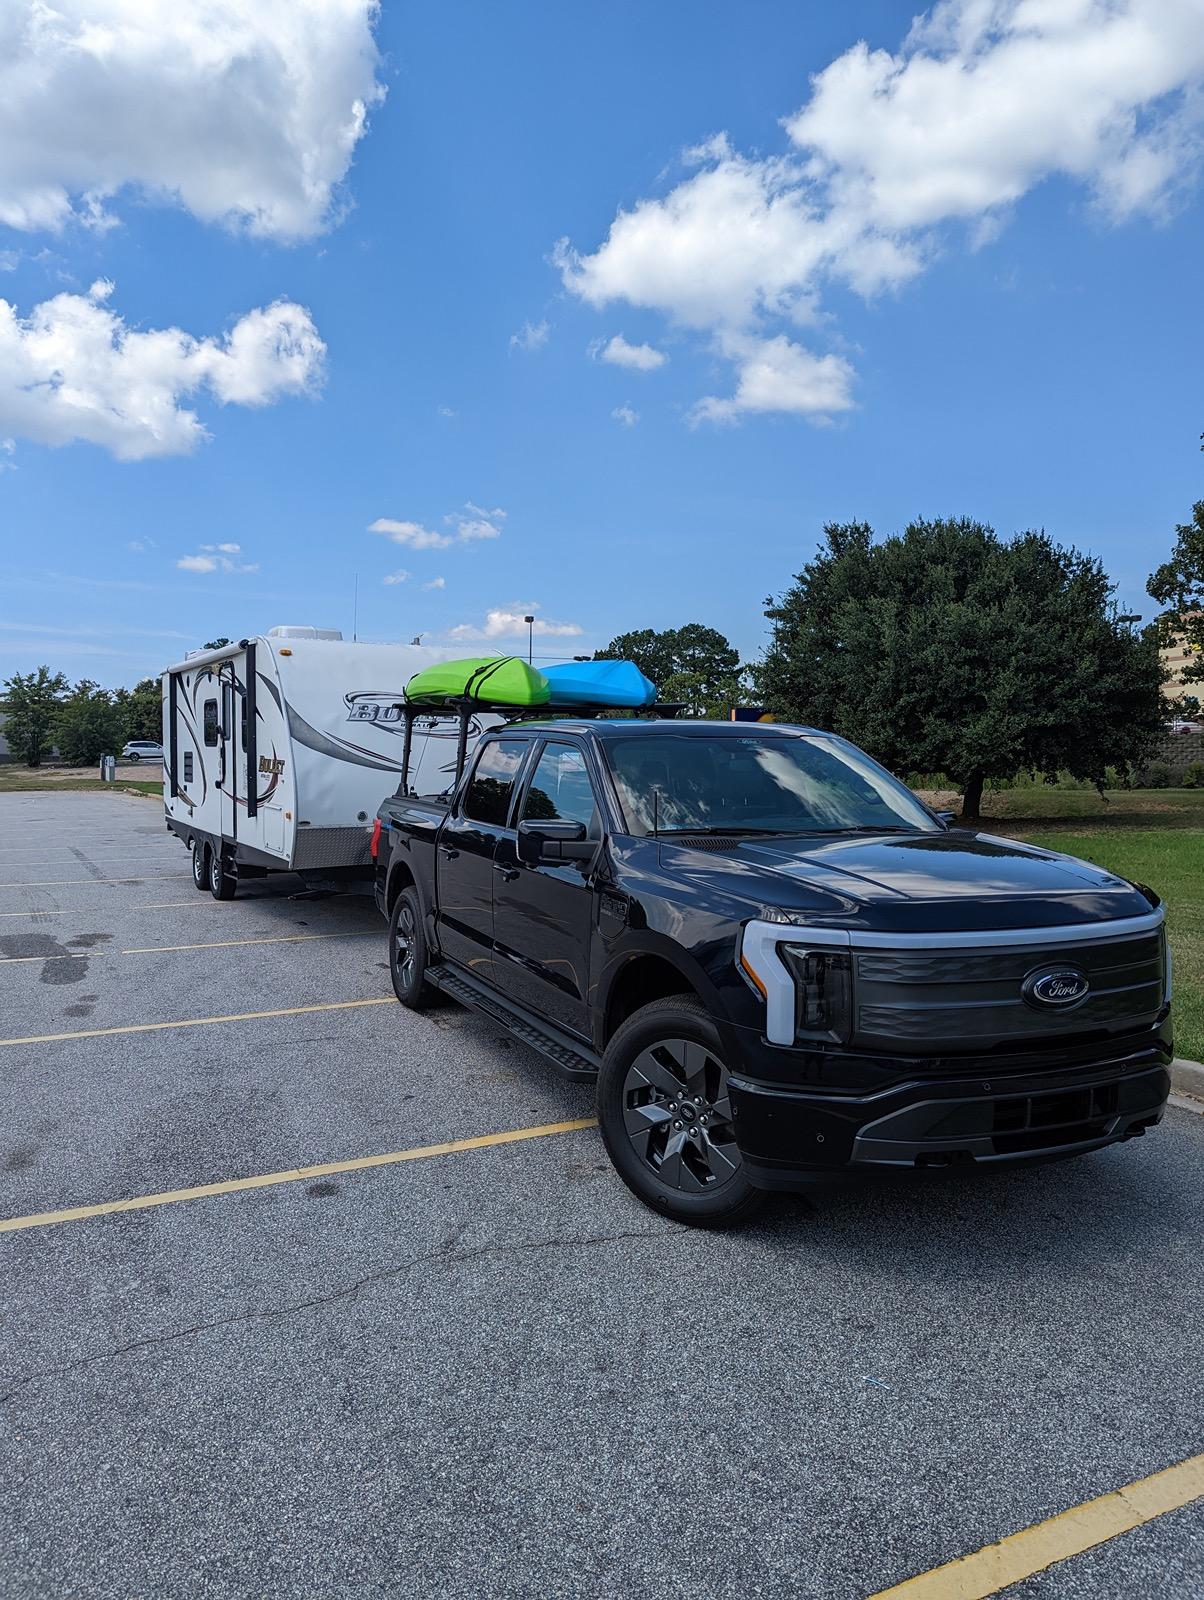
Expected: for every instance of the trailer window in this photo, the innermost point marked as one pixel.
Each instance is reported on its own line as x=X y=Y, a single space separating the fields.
x=210 y=710
x=487 y=798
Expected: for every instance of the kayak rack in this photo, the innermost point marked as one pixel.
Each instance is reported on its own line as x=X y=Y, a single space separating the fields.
x=465 y=709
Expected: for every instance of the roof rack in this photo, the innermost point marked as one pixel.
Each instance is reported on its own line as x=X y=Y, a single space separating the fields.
x=465 y=709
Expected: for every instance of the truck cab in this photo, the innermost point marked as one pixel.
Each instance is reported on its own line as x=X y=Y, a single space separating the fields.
x=777 y=962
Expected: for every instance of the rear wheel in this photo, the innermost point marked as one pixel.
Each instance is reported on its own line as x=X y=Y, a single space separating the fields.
x=666 y=1117
x=200 y=865
x=222 y=884
x=134 y=756
x=408 y=952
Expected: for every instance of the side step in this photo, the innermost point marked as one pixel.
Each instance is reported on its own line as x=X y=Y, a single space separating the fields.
x=572 y=1059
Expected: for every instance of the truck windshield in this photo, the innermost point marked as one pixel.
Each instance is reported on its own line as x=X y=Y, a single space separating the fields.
x=757 y=783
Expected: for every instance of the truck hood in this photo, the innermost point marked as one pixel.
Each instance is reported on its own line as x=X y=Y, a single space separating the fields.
x=960 y=878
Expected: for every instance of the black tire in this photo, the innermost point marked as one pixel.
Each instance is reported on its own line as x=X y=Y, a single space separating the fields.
x=408 y=954
x=684 y=1166
x=134 y=756
x=222 y=884
x=200 y=865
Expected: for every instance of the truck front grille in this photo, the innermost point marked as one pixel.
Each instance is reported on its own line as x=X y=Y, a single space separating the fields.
x=973 y=1000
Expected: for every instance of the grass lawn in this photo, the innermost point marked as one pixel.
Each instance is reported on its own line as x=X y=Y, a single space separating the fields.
x=23 y=780
x=1153 y=836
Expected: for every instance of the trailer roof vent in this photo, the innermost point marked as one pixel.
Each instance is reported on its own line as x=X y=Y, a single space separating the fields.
x=305 y=633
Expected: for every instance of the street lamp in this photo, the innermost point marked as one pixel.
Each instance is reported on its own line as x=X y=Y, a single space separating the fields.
x=1129 y=616
x=530 y=621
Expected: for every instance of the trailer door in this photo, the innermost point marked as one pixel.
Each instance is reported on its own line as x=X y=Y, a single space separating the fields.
x=229 y=781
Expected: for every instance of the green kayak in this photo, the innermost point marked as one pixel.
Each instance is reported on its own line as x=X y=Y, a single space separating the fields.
x=498 y=680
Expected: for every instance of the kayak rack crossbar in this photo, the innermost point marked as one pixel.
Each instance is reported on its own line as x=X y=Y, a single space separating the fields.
x=465 y=709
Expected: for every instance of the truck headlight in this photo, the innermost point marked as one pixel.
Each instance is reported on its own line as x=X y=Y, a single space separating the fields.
x=823 y=992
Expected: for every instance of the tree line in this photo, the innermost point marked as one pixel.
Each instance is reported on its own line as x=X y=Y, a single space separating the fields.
x=44 y=712
x=943 y=648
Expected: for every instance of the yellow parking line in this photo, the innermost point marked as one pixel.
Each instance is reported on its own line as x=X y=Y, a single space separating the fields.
x=200 y=1022
x=226 y=944
x=71 y=883
x=213 y=944
x=1071 y=1532
x=47 y=1219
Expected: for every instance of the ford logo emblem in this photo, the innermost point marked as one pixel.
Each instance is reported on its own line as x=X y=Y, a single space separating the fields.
x=1060 y=987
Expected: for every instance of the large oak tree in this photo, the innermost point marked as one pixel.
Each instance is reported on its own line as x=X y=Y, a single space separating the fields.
x=948 y=649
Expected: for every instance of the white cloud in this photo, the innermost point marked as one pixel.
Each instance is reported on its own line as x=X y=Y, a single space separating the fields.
x=984 y=100
x=778 y=375
x=216 y=558
x=636 y=357
x=246 y=115
x=436 y=583
x=465 y=529
x=72 y=370
x=141 y=546
x=410 y=533
x=400 y=576
x=530 y=336
x=507 y=622
x=626 y=416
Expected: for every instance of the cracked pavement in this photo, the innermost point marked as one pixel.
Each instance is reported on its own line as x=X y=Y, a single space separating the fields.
x=493 y=1373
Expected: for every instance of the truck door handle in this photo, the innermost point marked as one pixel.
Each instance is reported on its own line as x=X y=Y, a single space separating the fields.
x=449 y=852
x=508 y=873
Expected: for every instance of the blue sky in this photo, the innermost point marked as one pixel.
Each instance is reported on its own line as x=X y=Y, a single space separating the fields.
x=1006 y=328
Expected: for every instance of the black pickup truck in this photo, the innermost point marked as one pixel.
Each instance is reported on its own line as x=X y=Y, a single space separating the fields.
x=776 y=961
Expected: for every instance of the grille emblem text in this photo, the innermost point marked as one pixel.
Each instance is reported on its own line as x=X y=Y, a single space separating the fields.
x=1059 y=987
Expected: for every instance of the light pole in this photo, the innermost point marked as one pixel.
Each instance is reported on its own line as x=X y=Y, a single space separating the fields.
x=530 y=621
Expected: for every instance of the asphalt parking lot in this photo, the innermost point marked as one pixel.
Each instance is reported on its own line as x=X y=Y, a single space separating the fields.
x=491 y=1372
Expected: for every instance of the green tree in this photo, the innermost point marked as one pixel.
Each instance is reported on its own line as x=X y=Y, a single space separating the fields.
x=30 y=704
x=948 y=649
x=216 y=644
x=140 y=711
x=88 y=724
x=1179 y=585
x=693 y=664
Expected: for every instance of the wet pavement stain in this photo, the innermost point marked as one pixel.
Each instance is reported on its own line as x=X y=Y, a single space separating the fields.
x=19 y=1159
x=59 y=964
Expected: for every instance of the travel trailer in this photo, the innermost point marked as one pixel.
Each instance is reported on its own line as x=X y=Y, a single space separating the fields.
x=279 y=749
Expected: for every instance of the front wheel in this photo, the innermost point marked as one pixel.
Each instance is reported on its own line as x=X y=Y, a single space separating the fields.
x=222 y=884
x=200 y=867
x=408 y=952
x=666 y=1116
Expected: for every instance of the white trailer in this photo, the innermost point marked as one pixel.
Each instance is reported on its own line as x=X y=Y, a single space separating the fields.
x=279 y=749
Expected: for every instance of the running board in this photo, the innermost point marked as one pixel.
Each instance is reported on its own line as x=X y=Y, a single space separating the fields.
x=573 y=1060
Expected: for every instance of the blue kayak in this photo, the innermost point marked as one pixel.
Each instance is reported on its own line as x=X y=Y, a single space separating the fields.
x=600 y=683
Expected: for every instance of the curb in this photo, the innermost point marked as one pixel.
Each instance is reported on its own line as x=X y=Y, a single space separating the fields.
x=1187 y=1077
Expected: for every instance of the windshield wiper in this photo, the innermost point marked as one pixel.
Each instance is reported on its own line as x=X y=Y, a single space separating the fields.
x=870 y=827
x=720 y=830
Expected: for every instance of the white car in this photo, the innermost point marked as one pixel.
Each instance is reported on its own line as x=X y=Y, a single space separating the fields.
x=142 y=750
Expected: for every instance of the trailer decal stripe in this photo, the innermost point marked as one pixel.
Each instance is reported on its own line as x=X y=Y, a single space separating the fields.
x=45 y=1219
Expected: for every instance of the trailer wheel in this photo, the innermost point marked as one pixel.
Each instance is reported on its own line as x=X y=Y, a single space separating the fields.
x=222 y=884
x=408 y=953
x=200 y=866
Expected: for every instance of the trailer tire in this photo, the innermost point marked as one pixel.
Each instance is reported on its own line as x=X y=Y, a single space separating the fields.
x=200 y=865
x=408 y=952
x=222 y=884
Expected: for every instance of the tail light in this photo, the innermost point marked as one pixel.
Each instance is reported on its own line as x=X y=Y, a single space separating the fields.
x=374 y=846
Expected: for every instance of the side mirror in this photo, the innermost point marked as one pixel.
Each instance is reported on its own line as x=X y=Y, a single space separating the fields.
x=949 y=818
x=553 y=841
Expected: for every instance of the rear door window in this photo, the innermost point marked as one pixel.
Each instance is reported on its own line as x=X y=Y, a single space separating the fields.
x=210 y=712
x=487 y=798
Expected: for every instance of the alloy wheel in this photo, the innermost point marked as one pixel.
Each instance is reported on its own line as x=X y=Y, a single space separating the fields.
x=678 y=1115
x=403 y=945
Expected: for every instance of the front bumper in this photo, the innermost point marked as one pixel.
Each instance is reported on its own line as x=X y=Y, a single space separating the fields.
x=788 y=1136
